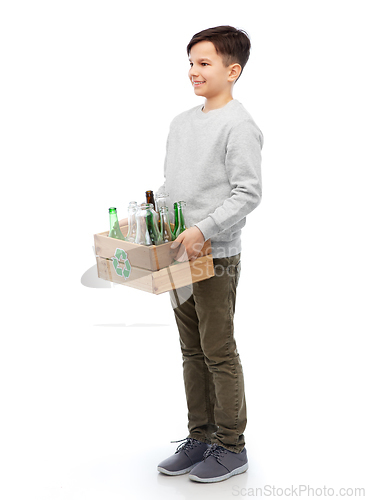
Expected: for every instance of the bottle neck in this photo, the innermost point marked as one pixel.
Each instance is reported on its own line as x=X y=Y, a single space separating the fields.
x=150 y=199
x=164 y=217
x=131 y=212
x=180 y=216
x=113 y=220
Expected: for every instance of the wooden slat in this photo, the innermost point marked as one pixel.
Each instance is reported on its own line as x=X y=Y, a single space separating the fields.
x=138 y=255
x=158 y=282
x=139 y=278
x=182 y=274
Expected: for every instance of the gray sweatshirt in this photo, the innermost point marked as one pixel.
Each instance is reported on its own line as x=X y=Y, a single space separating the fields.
x=213 y=162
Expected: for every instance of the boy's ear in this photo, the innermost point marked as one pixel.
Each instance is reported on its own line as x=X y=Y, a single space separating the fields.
x=235 y=70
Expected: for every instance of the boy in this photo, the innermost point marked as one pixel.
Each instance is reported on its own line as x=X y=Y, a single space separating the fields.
x=213 y=163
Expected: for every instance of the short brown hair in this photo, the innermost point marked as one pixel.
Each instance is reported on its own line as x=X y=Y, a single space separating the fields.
x=232 y=44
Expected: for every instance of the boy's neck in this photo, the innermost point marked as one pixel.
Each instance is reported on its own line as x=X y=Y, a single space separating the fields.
x=216 y=103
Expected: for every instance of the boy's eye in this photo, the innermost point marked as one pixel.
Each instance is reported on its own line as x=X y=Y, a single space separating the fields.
x=203 y=64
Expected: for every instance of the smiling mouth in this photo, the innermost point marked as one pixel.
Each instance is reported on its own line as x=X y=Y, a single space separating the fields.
x=196 y=84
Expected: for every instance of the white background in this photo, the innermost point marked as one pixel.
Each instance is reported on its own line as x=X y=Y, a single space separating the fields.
x=91 y=378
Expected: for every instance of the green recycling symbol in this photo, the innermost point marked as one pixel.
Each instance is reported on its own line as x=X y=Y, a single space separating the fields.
x=121 y=263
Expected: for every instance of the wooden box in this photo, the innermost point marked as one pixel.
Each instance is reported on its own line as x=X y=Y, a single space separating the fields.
x=149 y=268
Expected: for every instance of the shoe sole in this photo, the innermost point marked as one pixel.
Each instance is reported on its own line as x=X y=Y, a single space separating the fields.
x=176 y=472
x=239 y=470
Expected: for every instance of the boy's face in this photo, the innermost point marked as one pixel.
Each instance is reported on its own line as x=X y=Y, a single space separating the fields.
x=208 y=75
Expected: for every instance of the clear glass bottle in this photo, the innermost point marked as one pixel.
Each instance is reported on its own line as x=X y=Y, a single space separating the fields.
x=165 y=231
x=161 y=200
x=131 y=210
x=147 y=232
x=114 y=229
x=180 y=224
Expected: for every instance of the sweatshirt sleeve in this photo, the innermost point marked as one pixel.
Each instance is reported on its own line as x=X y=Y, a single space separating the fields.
x=243 y=167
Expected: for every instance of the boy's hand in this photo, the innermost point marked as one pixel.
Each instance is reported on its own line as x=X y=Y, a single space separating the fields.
x=191 y=241
x=123 y=222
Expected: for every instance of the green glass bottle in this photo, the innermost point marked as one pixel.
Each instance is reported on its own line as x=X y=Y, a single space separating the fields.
x=152 y=227
x=115 y=230
x=180 y=224
x=175 y=217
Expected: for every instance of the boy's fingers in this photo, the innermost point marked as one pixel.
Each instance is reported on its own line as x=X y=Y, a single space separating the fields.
x=123 y=222
x=176 y=242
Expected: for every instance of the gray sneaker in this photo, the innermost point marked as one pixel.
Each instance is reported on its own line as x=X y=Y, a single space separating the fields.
x=219 y=464
x=187 y=455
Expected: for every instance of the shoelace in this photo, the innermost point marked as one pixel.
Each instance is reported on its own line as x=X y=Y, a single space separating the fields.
x=189 y=444
x=215 y=450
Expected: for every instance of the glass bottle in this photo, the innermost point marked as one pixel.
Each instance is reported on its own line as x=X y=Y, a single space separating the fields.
x=142 y=235
x=175 y=206
x=153 y=225
x=115 y=230
x=161 y=201
x=131 y=210
x=165 y=231
x=150 y=198
x=147 y=232
x=180 y=224
x=156 y=217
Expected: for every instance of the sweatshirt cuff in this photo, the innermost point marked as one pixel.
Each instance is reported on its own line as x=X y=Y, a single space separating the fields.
x=208 y=227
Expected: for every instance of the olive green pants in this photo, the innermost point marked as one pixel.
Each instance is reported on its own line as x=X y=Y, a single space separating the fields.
x=212 y=371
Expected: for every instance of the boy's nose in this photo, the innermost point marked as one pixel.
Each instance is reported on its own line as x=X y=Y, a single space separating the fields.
x=192 y=72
